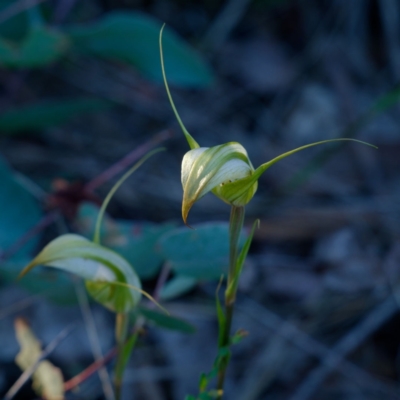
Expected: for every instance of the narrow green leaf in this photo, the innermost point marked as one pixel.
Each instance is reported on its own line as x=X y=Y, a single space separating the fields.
x=384 y=102
x=246 y=247
x=238 y=336
x=203 y=382
x=262 y=168
x=211 y=395
x=127 y=174
x=232 y=288
x=99 y=266
x=223 y=358
x=166 y=321
x=127 y=349
x=235 y=190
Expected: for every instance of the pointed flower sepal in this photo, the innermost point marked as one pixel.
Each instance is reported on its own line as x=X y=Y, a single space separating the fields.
x=226 y=171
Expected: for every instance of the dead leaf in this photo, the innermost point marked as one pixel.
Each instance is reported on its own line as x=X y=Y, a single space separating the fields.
x=48 y=381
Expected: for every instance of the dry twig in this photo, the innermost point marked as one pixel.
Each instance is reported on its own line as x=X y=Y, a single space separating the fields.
x=374 y=320
x=332 y=359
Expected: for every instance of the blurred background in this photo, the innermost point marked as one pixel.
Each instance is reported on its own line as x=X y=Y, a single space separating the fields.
x=82 y=98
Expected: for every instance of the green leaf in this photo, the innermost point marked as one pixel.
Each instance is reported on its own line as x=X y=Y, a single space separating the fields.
x=42 y=46
x=203 y=382
x=177 y=286
x=166 y=321
x=384 y=102
x=109 y=278
x=55 y=285
x=211 y=395
x=19 y=213
x=48 y=113
x=200 y=253
x=135 y=241
x=238 y=336
x=132 y=37
x=16 y=27
x=231 y=289
x=128 y=347
x=6 y=52
x=222 y=359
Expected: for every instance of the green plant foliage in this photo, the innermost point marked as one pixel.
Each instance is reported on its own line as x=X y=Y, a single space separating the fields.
x=204 y=396
x=177 y=286
x=135 y=241
x=39 y=48
x=202 y=253
x=19 y=213
x=232 y=287
x=133 y=38
x=128 y=348
x=139 y=245
x=109 y=278
x=166 y=321
x=16 y=27
x=220 y=317
x=386 y=101
x=55 y=285
x=48 y=113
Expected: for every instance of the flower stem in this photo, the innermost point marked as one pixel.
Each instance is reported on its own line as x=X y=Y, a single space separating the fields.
x=121 y=332
x=235 y=228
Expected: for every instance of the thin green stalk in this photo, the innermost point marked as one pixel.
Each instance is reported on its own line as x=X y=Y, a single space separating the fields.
x=121 y=333
x=235 y=228
x=96 y=236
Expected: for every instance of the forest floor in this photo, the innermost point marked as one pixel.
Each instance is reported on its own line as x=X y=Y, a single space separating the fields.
x=319 y=295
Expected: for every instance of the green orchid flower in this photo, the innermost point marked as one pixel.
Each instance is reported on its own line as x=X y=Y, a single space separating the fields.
x=224 y=170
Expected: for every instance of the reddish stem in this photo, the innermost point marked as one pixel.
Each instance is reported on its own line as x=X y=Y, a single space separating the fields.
x=162 y=278
x=95 y=183
x=43 y=223
x=127 y=160
x=90 y=370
